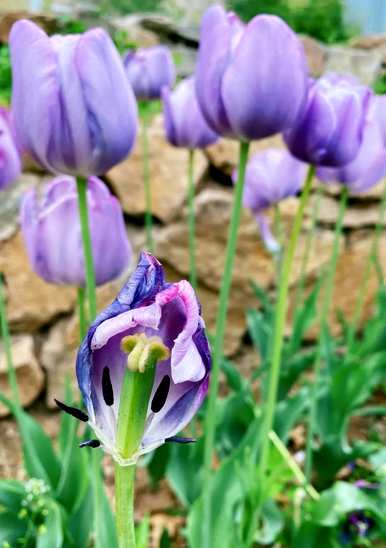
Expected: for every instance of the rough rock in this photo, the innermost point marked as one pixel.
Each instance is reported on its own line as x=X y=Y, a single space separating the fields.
x=224 y=154
x=374 y=193
x=371 y=41
x=316 y=55
x=365 y=65
x=131 y=25
x=31 y=302
x=357 y=214
x=168 y=176
x=30 y=377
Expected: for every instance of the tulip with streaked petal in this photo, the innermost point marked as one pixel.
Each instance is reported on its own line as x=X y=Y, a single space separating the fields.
x=330 y=131
x=147 y=308
x=367 y=168
x=251 y=80
x=73 y=107
x=184 y=123
x=149 y=70
x=10 y=164
x=52 y=233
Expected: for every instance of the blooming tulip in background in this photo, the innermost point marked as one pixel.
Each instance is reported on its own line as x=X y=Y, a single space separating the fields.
x=51 y=230
x=330 y=130
x=149 y=70
x=251 y=80
x=10 y=164
x=73 y=107
x=271 y=176
x=149 y=315
x=184 y=123
x=368 y=167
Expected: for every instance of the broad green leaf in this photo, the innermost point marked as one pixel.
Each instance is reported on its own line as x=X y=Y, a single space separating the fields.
x=184 y=471
x=272 y=523
x=51 y=534
x=158 y=463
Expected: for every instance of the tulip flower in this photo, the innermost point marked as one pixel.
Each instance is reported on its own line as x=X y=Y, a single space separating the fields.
x=330 y=130
x=149 y=70
x=10 y=164
x=271 y=176
x=184 y=123
x=367 y=168
x=73 y=107
x=378 y=113
x=251 y=80
x=150 y=343
x=52 y=233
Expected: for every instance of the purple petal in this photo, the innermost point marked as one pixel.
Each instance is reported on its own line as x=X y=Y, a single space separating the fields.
x=149 y=70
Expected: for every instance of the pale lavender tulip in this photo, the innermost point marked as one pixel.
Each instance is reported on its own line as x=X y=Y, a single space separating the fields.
x=52 y=233
x=184 y=123
x=330 y=130
x=73 y=107
x=149 y=70
x=10 y=164
x=368 y=167
x=251 y=80
x=378 y=113
x=151 y=309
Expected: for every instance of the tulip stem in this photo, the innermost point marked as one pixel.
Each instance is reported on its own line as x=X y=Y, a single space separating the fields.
x=81 y=185
x=82 y=313
x=278 y=336
x=124 y=505
x=325 y=310
x=192 y=221
x=8 y=346
x=146 y=182
x=361 y=295
x=210 y=420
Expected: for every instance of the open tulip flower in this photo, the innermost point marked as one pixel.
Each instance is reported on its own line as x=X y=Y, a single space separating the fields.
x=10 y=164
x=330 y=130
x=143 y=367
x=51 y=229
x=149 y=70
x=184 y=123
x=73 y=107
x=251 y=80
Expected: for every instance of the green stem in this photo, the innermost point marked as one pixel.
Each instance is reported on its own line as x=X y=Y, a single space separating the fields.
x=325 y=310
x=192 y=221
x=361 y=295
x=81 y=184
x=82 y=313
x=8 y=346
x=308 y=246
x=278 y=334
x=210 y=419
x=124 y=505
x=146 y=182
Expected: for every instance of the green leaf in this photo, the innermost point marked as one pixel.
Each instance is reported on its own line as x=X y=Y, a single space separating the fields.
x=272 y=523
x=184 y=471
x=80 y=523
x=11 y=495
x=142 y=533
x=40 y=460
x=12 y=528
x=289 y=411
x=52 y=530
x=260 y=331
x=158 y=463
x=304 y=317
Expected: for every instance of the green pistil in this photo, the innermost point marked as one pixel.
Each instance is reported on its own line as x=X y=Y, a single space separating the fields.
x=143 y=355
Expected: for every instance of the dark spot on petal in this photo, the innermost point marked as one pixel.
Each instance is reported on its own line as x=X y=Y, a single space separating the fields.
x=74 y=411
x=107 y=387
x=178 y=439
x=161 y=394
x=90 y=443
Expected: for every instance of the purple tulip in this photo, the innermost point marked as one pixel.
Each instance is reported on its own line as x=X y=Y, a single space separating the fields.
x=330 y=130
x=149 y=70
x=271 y=176
x=52 y=233
x=73 y=107
x=147 y=307
x=378 y=113
x=251 y=80
x=10 y=164
x=367 y=168
x=184 y=123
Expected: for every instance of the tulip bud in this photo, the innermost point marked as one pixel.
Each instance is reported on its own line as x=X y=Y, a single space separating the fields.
x=330 y=131
x=52 y=232
x=74 y=110
x=10 y=164
x=184 y=123
x=149 y=70
x=251 y=80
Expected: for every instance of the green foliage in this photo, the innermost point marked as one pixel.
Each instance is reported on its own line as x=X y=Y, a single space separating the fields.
x=124 y=7
x=379 y=85
x=5 y=75
x=321 y=19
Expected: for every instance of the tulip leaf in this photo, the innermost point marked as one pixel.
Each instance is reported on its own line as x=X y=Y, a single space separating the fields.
x=51 y=535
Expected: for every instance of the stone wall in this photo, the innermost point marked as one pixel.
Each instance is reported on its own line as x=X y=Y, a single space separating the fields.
x=43 y=317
